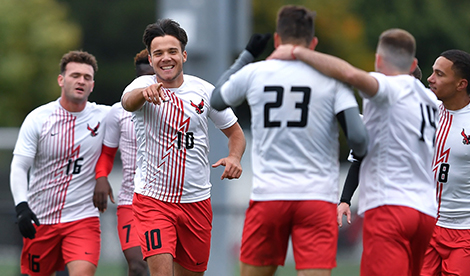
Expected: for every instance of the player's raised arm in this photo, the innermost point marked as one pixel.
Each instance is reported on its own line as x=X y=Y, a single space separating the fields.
x=330 y=66
x=252 y=50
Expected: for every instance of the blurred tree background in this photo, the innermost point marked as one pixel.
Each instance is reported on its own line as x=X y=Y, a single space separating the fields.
x=34 y=34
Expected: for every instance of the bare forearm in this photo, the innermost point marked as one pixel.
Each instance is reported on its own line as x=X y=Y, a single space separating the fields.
x=339 y=69
x=237 y=145
x=133 y=100
x=236 y=141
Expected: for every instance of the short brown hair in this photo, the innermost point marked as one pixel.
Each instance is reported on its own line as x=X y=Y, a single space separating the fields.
x=142 y=57
x=79 y=57
x=296 y=24
x=397 y=47
x=165 y=27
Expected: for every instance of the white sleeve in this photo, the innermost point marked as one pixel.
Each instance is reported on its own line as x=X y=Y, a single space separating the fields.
x=113 y=129
x=19 y=177
x=234 y=91
x=140 y=82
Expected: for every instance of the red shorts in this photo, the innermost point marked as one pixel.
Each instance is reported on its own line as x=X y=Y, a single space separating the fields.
x=180 y=229
x=311 y=224
x=58 y=244
x=395 y=239
x=448 y=252
x=126 y=227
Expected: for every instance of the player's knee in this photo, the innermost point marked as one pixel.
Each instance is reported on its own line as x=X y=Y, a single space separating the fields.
x=137 y=267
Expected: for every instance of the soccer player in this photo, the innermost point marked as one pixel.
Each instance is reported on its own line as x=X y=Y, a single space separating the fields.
x=352 y=178
x=294 y=111
x=60 y=143
x=448 y=252
x=171 y=204
x=397 y=197
x=120 y=134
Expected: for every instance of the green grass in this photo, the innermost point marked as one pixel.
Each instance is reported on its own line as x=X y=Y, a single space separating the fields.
x=343 y=269
x=103 y=270
x=109 y=269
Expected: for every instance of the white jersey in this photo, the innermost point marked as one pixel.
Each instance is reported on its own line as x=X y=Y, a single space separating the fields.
x=451 y=168
x=65 y=147
x=173 y=141
x=120 y=134
x=295 y=148
x=401 y=120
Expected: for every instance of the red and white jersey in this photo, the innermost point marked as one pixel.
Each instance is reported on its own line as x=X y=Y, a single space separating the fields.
x=65 y=147
x=173 y=141
x=401 y=120
x=295 y=152
x=451 y=168
x=120 y=134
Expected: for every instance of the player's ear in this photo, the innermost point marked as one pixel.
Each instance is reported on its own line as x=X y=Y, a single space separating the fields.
x=185 y=56
x=313 y=43
x=462 y=85
x=60 y=80
x=277 y=40
x=413 y=65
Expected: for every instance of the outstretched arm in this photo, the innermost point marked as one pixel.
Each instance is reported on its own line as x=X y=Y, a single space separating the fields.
x=236 y=148
x=135 y=99
x=329 y=65
x=252 y=50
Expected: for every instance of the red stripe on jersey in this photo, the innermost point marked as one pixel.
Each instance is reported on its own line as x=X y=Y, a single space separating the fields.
x=55 y=150
x=441 y=155
x=165 y=130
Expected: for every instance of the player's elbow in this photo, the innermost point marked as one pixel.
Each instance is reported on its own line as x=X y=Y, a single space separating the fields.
x=216 y=100
x=359 y=143
x=128 y=104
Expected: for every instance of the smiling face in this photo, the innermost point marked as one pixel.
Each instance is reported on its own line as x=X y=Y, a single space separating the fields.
x=167 y=58
x=77 y=84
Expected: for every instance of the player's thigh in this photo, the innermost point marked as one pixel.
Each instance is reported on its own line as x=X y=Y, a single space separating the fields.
x=266 y=233
x=82 y=240
x=135 y=262
x=419 y=241
x=43 y=254
x=458 y=243
x=194 y=235
x=81 y=268
x=155 y=223
x=386 y=245
x=314 y=235
x=432 y=260
x=161 y=264
x=126 y=227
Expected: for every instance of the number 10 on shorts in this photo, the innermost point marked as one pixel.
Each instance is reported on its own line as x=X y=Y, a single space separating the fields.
x=153 y=239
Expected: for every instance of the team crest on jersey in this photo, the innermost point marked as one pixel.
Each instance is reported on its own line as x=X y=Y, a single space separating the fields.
x=199 y=107
x=466 y=138
x=93 y=131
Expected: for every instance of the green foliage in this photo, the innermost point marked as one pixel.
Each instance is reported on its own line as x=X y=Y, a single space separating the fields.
x=34 y=36
x=437 y=25
x=340 y=32
x=113 y=33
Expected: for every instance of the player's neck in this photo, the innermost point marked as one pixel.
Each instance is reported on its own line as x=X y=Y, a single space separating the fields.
x=72 y=106
x=457 y=103
x=173 y=83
